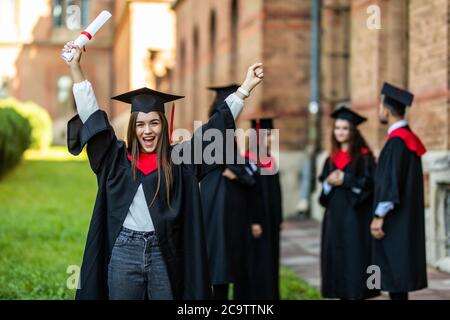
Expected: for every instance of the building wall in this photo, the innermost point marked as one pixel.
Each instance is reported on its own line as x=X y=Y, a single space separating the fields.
x=208 y=62
x=429 y=67
x=273 y=32
x=335 y=61
x=141 y=27
x=31 y=56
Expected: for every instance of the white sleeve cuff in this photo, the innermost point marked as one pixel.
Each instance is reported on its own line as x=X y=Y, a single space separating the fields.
x=326 y=188
x=84 y=99
x=383 y=208
x=235 y=104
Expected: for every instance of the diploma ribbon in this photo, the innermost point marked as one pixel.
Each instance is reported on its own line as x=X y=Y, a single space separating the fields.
x=87 y=34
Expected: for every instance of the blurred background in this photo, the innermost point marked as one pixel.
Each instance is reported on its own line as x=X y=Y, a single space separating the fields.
x=316 y=54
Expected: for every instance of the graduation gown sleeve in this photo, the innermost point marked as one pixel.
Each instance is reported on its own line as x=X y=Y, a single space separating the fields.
x=389 y=172
x=360 y=181
x=101 y=143
x=326 y=170
x=97 y=133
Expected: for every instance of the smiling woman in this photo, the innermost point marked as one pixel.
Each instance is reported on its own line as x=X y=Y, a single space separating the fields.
x=146 y=237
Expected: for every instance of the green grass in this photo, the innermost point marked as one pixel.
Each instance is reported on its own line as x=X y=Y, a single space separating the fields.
x=292 y=287
x=45 y=208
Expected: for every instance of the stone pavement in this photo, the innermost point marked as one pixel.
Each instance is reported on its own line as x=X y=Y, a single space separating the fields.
x=300 y=251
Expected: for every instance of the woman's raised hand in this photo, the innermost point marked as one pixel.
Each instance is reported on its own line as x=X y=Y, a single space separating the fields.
x=77 y=57
x=255 y=75
x=74 y=64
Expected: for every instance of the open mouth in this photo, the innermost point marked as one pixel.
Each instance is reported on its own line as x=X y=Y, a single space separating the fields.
x=148 y=141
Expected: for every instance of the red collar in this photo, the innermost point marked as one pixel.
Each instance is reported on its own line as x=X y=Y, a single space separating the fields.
x=146 y=163
x=411 y=141
x=341 y=159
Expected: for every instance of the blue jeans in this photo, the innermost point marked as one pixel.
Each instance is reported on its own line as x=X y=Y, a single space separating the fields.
x=137 y=268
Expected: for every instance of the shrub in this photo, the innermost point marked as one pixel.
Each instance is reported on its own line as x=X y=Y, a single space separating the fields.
x=15 y=138
x=39 y=119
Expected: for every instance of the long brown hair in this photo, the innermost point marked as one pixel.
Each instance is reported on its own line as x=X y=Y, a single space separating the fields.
x=162 y=149
x=356 y=144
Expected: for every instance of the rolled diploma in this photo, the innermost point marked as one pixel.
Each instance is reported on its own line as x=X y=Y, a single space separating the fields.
x=92 y=30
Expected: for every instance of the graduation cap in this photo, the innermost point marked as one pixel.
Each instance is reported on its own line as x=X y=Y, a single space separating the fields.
x=222 y=92
x=264 y=123
x=396 y=98
x=146 y=100
x=345 y=113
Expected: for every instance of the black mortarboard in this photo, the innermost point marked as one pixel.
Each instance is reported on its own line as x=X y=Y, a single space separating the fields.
x=222 y=92
x=345 y=113
x=264 y=123
x=396 y=97
x=146 y=100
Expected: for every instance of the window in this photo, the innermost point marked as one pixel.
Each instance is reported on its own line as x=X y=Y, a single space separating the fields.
x=8 y=16
x=8 y=12
x=71 y=14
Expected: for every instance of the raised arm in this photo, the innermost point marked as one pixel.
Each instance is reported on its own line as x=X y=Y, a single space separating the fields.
x=221 y=120
x=91 y=125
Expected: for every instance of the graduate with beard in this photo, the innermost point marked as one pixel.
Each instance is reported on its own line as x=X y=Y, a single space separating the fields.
x=399 y=223
x=146 y=236
x=224 y=203
x=347 y=195
x=265 y=255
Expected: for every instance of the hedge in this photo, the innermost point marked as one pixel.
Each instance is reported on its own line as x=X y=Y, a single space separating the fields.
x=39 y=119
x=15 y=138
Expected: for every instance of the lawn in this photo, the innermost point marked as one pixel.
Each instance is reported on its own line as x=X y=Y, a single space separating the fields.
x=45 y=208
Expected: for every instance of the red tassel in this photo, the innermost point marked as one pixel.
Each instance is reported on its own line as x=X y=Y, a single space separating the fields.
x=171 y=121
x=258 y=126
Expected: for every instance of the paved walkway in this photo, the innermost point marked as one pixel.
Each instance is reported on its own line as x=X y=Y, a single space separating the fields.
x=300 y=251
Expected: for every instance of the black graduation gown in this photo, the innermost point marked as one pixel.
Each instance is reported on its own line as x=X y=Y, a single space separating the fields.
x=226 y=222
x=346 y=240
x=264 y=272
x=401 y=253
x=180 y=229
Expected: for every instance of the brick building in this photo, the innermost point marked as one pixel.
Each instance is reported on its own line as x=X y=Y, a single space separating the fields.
x=217 y=40
x=130 y=51
x=32 y=35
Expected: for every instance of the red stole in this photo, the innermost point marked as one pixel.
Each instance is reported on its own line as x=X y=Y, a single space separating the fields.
x=341 y=159
x=146 y=163
x=411 y=141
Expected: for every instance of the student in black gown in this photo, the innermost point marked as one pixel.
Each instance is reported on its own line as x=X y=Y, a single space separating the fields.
x=146 y=236
x=224 y=201
x=398 y=226
x=265 y=257
x=347 y=195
